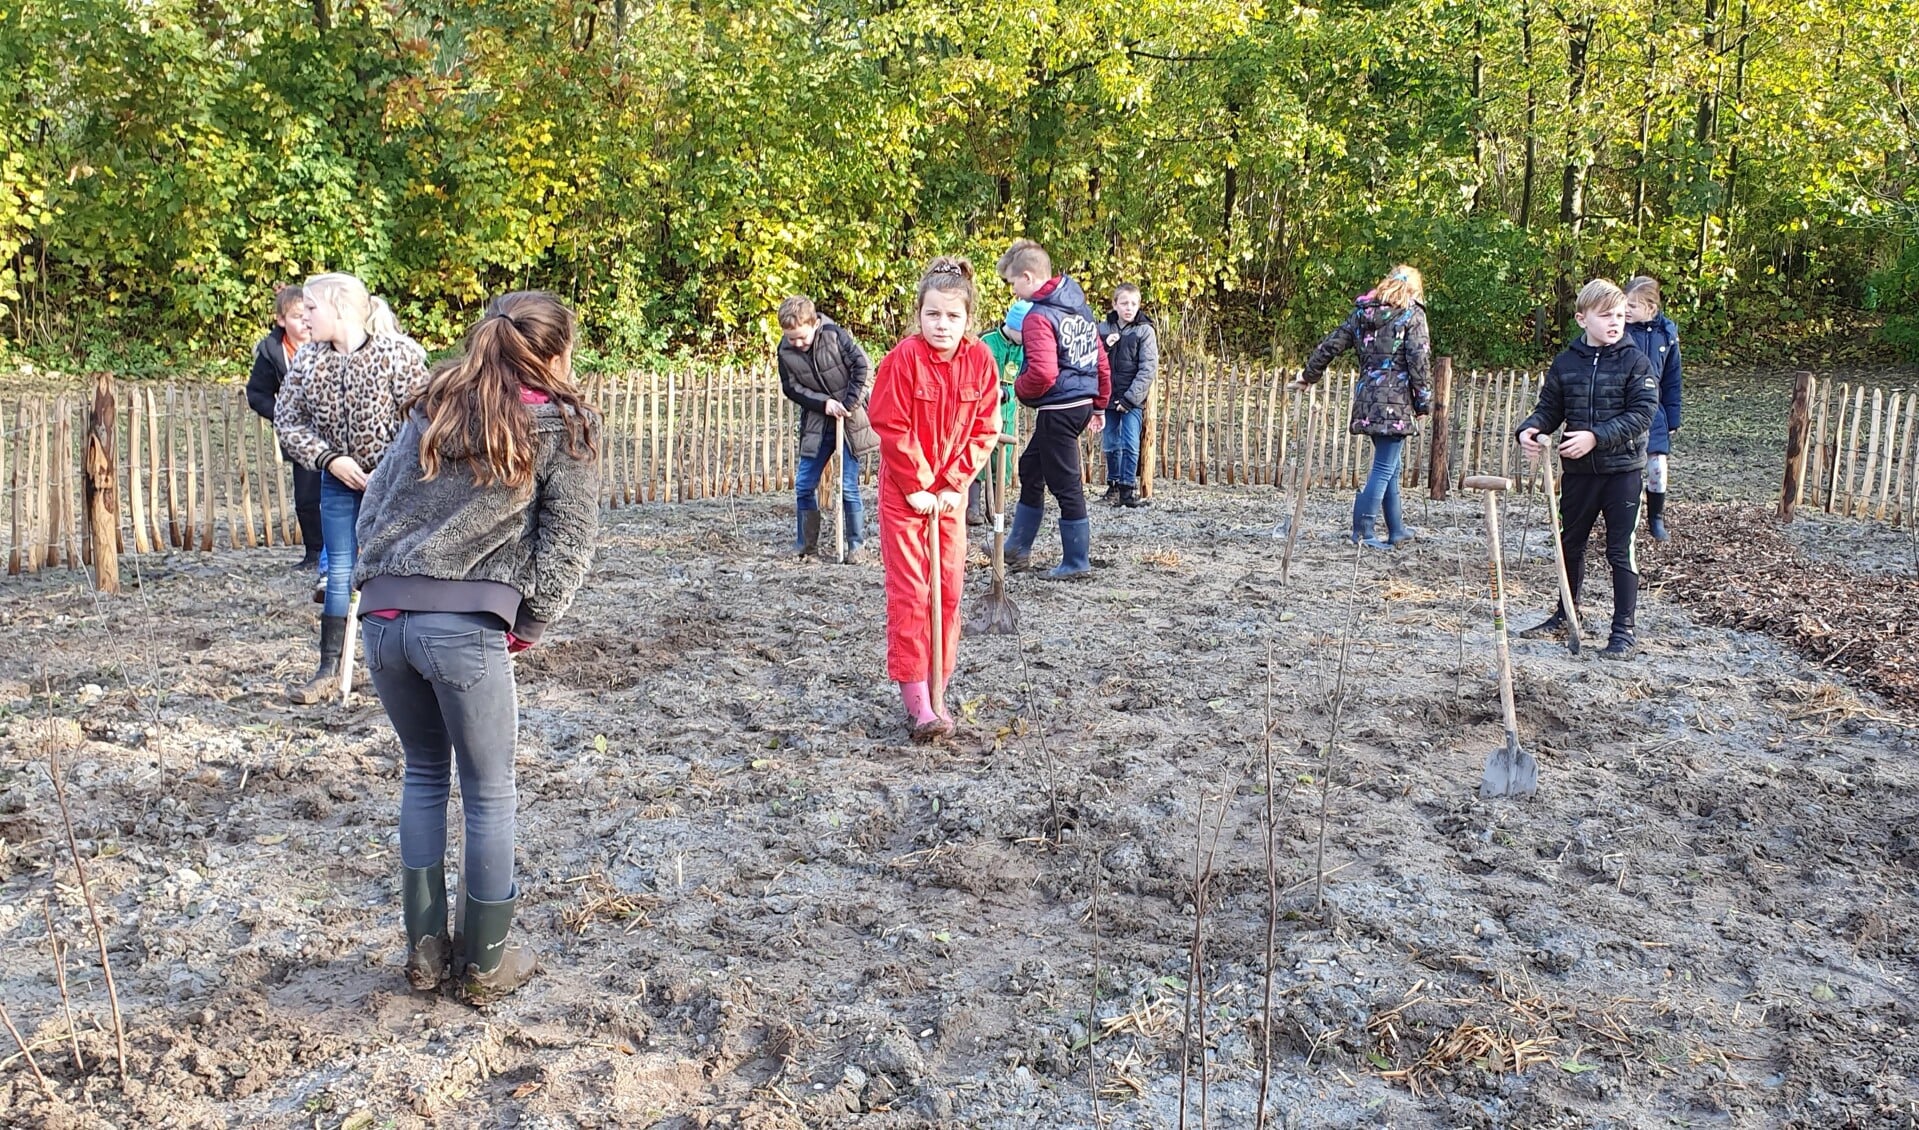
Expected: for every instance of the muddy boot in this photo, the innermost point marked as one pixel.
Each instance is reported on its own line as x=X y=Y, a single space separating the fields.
x=326 y=680
x=809 y=531
x=1656 y=514
x=923 y=722
x=428 y=948
x=491 y=965
x=1553 y=627
x=1019 y=543
x=1075 y=543
x=1129 y=497
x=976 y=504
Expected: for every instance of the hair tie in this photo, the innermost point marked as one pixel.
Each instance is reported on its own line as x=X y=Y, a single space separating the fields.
x=944 y=269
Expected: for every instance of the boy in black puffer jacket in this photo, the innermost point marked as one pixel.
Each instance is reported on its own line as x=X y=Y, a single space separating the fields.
x=1603 y=389
x=1132 y=348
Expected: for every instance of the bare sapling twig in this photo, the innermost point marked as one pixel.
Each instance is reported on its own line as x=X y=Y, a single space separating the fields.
x=1092 y=1006
x=1272 y=896
x=86 y=891
x=1203 y=855
x=1192 y=966
x=1055 y=814
x=60 y=978
x=1332 y=737
x=45 y=1087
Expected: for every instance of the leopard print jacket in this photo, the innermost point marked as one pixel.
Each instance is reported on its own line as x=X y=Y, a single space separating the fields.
x=333 y=403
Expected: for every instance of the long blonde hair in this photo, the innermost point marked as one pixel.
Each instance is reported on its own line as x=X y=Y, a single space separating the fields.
x=350 y=299
x=472 y=402
x=1401 y=287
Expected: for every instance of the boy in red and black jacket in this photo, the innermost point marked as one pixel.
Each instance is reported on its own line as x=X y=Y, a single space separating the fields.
x=1067 y=381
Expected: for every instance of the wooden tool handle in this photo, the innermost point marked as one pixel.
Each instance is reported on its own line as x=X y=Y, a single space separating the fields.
x=1488 y=482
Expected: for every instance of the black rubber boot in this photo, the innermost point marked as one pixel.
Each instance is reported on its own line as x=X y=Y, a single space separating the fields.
x=1656 y=514
x=809 y=533
x=1130 y=499
x=1625 y=606
x=309 y=537
x=491 y=966
x=428 y=945
x=976 y=504
x=325 y=680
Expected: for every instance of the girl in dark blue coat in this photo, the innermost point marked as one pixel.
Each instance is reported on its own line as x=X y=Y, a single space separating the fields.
x=1658 y=339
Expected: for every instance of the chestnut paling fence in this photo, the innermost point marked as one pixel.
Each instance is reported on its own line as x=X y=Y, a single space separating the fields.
x=163 y=468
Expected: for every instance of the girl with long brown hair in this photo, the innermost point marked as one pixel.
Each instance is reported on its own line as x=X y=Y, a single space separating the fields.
x=476 y=531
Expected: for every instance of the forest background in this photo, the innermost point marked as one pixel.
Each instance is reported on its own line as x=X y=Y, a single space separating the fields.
x=673 y=168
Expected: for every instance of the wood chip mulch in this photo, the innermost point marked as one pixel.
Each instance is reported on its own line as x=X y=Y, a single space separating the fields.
x=1733 y=567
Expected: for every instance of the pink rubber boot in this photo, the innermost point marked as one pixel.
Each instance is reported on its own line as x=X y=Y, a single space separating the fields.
x=923 y=722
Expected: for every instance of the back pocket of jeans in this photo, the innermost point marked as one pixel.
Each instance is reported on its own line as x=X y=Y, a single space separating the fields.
x=458 y=661
x=372 y=634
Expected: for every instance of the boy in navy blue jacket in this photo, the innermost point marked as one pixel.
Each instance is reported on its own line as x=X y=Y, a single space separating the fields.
x=1067 y=381
x=1604 y=391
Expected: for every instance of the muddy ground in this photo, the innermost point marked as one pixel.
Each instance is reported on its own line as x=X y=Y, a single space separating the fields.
x=757 y=906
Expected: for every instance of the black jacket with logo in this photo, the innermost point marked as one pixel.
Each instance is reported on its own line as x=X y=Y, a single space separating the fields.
x=1608 y=390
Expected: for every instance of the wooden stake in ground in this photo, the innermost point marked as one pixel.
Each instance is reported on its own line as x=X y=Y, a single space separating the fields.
x=1797 y=425
x=19 y=450
x=153 y=471
x=134 y=498
x=103 y=509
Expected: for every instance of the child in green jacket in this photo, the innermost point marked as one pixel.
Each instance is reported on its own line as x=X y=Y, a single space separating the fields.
x=1009 y=356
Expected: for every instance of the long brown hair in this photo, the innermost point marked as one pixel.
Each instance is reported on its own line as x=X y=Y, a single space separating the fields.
x=472 y=403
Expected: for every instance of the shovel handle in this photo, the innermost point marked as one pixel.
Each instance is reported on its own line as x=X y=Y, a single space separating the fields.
x=1488 y=482
x=936 y=676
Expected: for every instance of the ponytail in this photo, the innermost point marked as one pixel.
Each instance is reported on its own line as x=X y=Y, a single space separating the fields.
x=380 y=321
x=472 y=402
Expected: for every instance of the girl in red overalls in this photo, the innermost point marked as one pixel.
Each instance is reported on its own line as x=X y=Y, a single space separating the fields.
x=935 y=405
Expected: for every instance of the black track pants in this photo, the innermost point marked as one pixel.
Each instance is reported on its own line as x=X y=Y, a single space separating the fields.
x=1051 y=461
x=1582 y=499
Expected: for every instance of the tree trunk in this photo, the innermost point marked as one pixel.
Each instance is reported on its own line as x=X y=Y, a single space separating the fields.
x=1532 y=119
x=102 y=487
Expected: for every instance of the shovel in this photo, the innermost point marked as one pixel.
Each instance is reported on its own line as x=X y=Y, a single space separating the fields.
x=346 y=650
x=936 y=678
x=1301 y=482
x=1559 y=556
x=839 y=465
x=1510 y=771
x=996 y=615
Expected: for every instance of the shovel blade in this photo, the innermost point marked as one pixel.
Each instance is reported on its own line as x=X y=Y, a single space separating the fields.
x=994 y=615
x=1510 y=772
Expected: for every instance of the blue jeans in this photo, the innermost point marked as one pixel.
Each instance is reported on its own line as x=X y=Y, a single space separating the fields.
x=1381 y=491
x=447 y=685
x=1120 y=443
x=806 y=488
x=339 y=512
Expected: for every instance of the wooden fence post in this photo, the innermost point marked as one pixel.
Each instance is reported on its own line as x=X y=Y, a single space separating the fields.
x=1148 y=440
x=1437 y=472
x=1797 y=426
x=103 y=504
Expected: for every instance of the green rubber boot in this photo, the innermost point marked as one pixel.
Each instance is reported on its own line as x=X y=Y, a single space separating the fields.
x=493 y=966
x=423 y=897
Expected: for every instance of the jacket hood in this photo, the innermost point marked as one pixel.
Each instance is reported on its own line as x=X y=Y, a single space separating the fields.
x=1377 y=314
x=1659 y=322
x=1065 y=294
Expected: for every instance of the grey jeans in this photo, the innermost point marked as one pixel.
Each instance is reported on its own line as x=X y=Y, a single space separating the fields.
x=447 y=686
